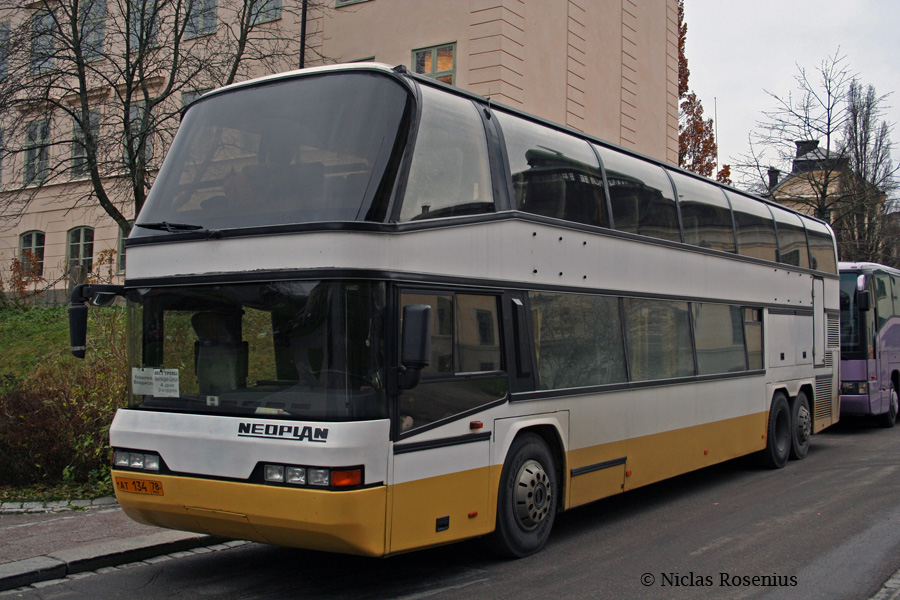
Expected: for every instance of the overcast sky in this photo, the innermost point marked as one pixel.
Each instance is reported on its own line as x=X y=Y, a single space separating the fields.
x=738 y=50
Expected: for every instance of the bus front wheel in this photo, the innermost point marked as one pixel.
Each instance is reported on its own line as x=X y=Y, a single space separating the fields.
x=527 y=499
x=778 y=434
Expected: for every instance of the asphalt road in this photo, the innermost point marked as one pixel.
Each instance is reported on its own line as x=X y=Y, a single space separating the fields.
x=824 y=527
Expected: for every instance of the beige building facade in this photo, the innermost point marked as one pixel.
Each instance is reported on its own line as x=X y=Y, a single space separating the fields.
x=608 y=68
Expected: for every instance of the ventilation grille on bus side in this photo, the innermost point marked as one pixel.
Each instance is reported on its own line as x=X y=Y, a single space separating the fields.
x=823 y=398
x=834 y=332
x=829 y=360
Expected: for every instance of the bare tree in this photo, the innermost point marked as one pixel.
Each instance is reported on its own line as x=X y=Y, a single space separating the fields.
x=91 y=90
x=827 y=139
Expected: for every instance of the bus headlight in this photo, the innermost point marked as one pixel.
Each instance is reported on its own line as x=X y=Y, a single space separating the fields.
x=854 y=388
x=140 y=461
x=322 y=477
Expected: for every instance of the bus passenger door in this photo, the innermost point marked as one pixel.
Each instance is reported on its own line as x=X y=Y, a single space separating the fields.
x=441 y=476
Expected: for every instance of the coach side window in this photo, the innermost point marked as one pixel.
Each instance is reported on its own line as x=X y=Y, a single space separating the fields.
x=705 y=214
x=719 y=335
x=554 y=174
x=792 y=246
x=466 y=369
x=577 y=339
x=450 y=172
x=755 y=228
x=641 y=196
x=821 y=247
x=659 y=339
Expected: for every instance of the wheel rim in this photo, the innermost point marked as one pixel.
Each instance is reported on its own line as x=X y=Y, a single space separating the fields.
x=804 y=424
x=533 y=495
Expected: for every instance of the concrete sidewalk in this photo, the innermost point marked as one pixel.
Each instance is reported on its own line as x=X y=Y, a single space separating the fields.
x=44 y=541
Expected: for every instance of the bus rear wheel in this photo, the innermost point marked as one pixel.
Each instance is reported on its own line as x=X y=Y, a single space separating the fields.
x=801 y=426
x=889 y=419
x=778 y=434
x=527 y=499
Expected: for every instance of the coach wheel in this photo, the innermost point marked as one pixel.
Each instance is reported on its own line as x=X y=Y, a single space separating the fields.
x=527 y=499
x=801 y=427
x=889 y=419
x=778 y=438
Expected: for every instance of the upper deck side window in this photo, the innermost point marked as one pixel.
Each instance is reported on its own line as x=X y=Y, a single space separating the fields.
x=792 y=246
x=705 y=214
x=553 y=174
x=641 y=195
x=821 y=246
x=290 y=151
x=450 y=171
x=755 y=227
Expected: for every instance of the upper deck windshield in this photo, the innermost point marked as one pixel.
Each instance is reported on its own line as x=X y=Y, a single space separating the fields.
x=852 y=320
x=297 y=150
x=310 y=350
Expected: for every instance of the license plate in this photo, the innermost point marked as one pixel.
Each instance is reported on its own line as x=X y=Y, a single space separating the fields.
x=139 y=486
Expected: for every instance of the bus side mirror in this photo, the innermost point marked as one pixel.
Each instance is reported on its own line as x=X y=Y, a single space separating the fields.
x=863 y=300
x=78 y=314
x=415 y=349
x=98 y=295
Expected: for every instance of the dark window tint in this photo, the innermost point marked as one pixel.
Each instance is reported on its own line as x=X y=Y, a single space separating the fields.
x=753 y=334
x=755 y=228
x=450 y=173
x=719 y=336
x=792 y=248
x=659 y=339
x=578 y=340
x=641 y=196
x=705 y=214
x=554 y=174
x=465 y=339
x=883 y=298
x=821 y=247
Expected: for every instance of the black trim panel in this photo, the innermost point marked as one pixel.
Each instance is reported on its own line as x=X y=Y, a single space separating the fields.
x=792 y=312
x=598 y=466
x=442 y=443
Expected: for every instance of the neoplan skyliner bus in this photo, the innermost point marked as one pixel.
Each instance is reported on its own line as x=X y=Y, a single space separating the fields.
x=870 y=341
x=370 y=313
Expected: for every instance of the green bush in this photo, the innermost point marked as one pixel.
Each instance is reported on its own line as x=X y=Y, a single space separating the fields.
x=55 y=410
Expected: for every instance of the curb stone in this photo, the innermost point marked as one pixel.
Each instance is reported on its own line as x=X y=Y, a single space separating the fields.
x=57 y=505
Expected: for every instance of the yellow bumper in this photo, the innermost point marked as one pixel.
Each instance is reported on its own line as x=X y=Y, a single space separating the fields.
x=351 y=522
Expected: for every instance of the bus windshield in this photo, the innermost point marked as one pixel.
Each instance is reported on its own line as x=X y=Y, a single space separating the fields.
x=310 y=350
x=299 y=150
x=852 y=342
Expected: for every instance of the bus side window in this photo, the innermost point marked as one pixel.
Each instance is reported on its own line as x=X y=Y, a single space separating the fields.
x=705 y=214
x=883 y=298
x=554 y=174
x=659 y=339
x=466 y=369
x=578 y=340
x=641 y=196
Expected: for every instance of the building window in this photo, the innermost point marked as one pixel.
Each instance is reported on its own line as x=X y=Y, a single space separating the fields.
x=437 y=62
x=264 y=11
x=4 y=49
x=80 y=166
x=31 y=253
x=80 y=250
x=142 y=23
x=43 y=41
x=93 y=28
x=121 y=245
x=139 y=132
x=202 y=20
x=188 y=97
x=37 y=152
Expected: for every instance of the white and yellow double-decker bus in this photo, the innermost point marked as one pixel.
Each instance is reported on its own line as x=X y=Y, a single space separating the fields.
x=370 y=313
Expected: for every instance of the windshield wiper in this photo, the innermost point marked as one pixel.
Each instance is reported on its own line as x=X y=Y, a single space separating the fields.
x=181 y=228
x=170 y=227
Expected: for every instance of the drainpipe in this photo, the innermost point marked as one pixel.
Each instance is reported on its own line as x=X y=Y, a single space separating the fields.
x=303 y=34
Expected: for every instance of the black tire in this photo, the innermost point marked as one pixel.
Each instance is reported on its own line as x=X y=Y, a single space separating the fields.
x=778 y=436
x=801 y=426
x=527 y=498
x=889 y=419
